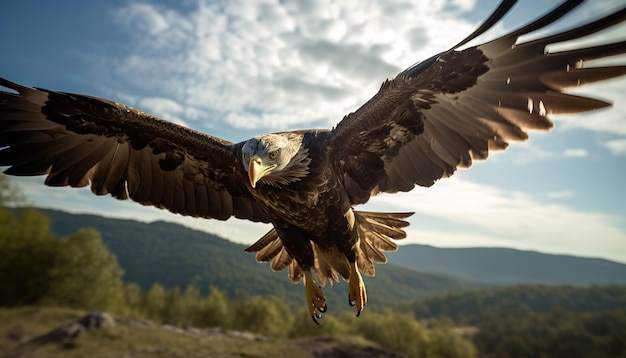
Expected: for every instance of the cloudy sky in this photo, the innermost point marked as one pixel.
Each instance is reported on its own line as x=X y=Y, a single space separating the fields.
x=234 y=69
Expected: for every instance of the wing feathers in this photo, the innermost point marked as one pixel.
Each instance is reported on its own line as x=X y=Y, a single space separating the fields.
x=470 y=102
x=376 y=232
x=81 y=140
x=581 y=76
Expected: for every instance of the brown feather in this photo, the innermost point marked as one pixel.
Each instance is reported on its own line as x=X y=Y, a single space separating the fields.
x=81 y=140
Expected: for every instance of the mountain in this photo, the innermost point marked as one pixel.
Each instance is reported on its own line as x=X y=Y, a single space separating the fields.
x=174 y=255
x=499 y=266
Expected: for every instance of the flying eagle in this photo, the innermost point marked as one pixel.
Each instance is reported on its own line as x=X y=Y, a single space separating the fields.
x=435 y=116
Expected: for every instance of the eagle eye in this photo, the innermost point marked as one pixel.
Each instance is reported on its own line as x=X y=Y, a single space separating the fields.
x=273 y=155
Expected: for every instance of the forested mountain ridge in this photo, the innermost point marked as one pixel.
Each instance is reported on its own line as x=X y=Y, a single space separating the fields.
x=173 y=255
x=502 y=266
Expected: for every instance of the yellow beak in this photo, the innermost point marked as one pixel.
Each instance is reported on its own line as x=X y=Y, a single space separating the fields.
x=255 y=169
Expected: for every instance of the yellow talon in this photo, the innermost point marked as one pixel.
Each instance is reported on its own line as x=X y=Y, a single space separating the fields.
x=315 y=299
x=357 y=296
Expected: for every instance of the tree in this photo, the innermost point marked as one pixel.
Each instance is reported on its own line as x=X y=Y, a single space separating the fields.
x=269 y=316
x=330 y=325
x=191 y=303
x=133 y=299
x=442 y=343
x=10 y=196
x=401 y=332
x=154 y=302
x=85 y=274
x=28 y=250
x=77 y=271
x=215 y=310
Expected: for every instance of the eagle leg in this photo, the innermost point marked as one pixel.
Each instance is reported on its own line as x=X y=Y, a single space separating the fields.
x=357 y=295
x=315 y=299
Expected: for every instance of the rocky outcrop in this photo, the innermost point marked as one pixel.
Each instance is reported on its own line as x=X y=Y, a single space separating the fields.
x=91 y=322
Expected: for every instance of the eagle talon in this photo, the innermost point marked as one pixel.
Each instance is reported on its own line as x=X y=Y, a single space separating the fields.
x=315 y=299
x=357 y=295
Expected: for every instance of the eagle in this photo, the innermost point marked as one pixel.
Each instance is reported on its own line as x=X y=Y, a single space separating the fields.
x=432 y=118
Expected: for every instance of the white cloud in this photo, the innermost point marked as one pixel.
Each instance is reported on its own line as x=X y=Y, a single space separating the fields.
x=143 y=18
x=575 y=152
x=269 y=65
x=477 y=215
x=609 y=121
x=275 y=66
x=82 y=201
x=617 y=146
x=467 y=215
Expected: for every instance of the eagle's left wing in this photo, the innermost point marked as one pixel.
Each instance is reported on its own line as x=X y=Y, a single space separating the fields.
x=455 y=107
x=81 y=140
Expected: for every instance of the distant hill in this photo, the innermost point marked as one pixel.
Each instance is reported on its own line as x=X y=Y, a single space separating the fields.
x=174 y=255
x=498 y=266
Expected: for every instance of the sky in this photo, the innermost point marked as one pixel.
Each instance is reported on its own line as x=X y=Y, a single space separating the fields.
x=235 y=69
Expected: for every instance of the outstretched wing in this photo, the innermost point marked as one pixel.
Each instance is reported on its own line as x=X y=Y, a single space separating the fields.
x=81 y=140
x=455 y=107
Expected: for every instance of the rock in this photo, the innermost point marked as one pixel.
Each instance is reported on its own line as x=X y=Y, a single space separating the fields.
x=91 y=322
x=96 y=320
x=19 y=334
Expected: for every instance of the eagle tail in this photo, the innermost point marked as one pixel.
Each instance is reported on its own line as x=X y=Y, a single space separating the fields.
x=376 y=233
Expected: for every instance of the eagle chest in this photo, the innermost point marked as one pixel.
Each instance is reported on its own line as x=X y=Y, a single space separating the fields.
x=293 y=203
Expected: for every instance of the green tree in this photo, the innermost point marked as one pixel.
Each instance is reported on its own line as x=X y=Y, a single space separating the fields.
x=215 y=310
x=330 y=325
x=36 y=268
x=10 y=196
x=133 y=300
x=85 y=274
x=174 y=310
x=191 y=302
x=269 y=316
x=401 y=332
x=443 y=343
x=154 y=302
x=28 y=249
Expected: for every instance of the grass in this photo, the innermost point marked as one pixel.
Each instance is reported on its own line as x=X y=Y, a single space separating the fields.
x=145 y=339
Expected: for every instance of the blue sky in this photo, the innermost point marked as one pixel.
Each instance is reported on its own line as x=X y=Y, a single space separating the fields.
x=235 y=69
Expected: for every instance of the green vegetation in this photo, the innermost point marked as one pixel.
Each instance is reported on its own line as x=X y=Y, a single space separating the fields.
x=36 y=268
x=535 y=320
x=78 y=271
x=470 y=308
x=559 y=333
x=135 y=339
x=40 y=274
x=173 y=255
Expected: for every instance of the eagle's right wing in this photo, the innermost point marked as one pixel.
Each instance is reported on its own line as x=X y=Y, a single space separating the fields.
x=79 y=140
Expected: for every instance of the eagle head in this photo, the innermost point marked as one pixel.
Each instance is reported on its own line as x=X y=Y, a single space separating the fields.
x=276 y=159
